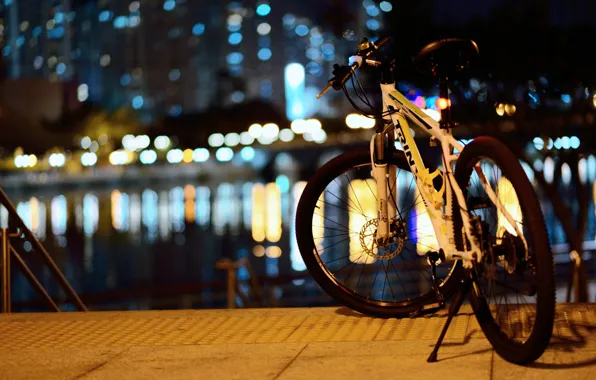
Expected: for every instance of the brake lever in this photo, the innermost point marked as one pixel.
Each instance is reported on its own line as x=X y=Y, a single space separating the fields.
x=327 y=88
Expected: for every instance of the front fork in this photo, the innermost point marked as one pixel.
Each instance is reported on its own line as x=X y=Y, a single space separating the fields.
x=382 y=147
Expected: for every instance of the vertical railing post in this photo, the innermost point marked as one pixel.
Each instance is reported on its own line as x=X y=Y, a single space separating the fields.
x=6 y=295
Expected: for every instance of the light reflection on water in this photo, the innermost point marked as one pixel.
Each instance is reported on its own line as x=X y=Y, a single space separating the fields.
x=124 y=238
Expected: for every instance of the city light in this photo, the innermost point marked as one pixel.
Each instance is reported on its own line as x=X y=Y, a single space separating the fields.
x=232 y=139
x=216 y=140
x=386 y=6
x=299 y=126
x=85 y=142
x=188 y=155
x=247 y=153
x=148 y=157
x=201 y=155
x=175 y=156
x=25 y=160
x=270 y=130
x=246 y=138
x=286 y=135
x=88 y=159
x=255 y=131
x=162 y=142
x=263 y=28
x=57 y=160
x=294 y=75
x=120 y=157
x=355 y=121
x=82 y=92
x=224 y=154
x=263 y=9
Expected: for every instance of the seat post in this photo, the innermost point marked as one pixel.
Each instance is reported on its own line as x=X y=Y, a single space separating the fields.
x=446 y=111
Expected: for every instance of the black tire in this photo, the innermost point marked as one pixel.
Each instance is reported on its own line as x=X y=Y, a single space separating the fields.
x=509 y=258
x=332 y=283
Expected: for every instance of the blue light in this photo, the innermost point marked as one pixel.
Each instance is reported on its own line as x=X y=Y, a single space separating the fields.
x=105 y=16
x=7 y=2
x=533 y=97
x=386 y=6
x=120 y=22
x=36 y=32
x=264 y=54
x=283 y=183
x=125 y=79
x=372 y=10
x=176 y=110
x=372 y=24
x=137 y=102
x=294 y=76
x=198 y=29
x=61 y=68
x=59 y=17
x=328 y=48
x=314 y=69
x=169 y=5
x=264 y=41
x=301 y=30
x=566 y=98
x=174 y=74
x=235 y=58
x=234 y=27
x=266 y=89
x=20 y=41
x=6 y=51
x=235 y=38
x=263 y=9
x=237 y=97
x=247 y=153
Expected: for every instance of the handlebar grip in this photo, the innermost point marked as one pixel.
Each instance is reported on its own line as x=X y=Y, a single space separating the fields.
x=382 y=41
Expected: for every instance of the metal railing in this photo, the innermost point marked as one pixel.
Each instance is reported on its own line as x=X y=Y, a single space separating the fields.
x=20 y=231
x=233 y=285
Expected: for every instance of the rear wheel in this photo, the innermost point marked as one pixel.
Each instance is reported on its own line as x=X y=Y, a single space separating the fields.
x=518 y=307
x=336 y=224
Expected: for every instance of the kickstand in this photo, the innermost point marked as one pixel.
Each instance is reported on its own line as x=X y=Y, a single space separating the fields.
x=464 y=289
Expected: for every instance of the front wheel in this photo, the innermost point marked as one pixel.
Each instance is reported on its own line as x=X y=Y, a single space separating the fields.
x=517 y=306
x=336 y=223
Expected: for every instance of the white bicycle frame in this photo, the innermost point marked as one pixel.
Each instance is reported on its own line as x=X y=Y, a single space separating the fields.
x=442 y=220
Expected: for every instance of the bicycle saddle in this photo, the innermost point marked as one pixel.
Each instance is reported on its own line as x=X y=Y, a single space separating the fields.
x=446 y=57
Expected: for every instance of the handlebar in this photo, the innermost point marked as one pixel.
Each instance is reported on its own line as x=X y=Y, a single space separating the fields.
x=341 y=74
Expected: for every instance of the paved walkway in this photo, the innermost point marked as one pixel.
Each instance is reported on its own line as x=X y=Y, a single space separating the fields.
x=315 y=343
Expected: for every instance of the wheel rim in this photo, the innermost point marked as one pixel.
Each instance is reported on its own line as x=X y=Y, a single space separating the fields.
x=344 y=216
x=508 y=274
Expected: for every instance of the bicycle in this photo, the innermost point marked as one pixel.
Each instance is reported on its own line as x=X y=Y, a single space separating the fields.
x=471 y=227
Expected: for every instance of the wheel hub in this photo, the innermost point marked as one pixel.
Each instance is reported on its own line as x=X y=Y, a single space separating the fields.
x=382 y=248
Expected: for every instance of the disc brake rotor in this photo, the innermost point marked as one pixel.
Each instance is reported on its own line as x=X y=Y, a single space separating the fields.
x=388 y=249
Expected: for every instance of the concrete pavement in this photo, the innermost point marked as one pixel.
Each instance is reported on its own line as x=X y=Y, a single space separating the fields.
x=302 y=343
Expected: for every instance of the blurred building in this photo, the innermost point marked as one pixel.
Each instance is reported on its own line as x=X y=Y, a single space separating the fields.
x=168 y=57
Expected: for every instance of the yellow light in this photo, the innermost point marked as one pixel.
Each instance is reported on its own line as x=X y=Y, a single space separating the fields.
x=510 y=109
x=500 y=109
x=32 y=160
x=594 y=100
x=313 y=125
x=270 y=130
x=425 y=233
x=353 y=121
x=34 y=207
x=258 y=213
x=299 y=126
x=367 y=122
x=273 y=219
x=189 y=203
x=443 y=103
x=255 y=130
x=258 y=250
x=508 y=198
x=363 y=199
x=188 y=155
x=273 y=252
x=116 y=199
